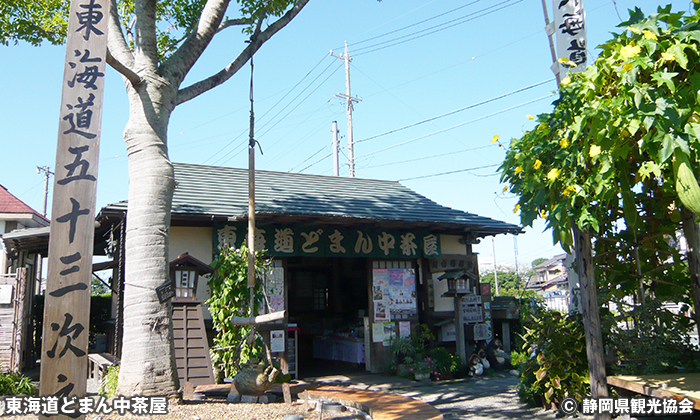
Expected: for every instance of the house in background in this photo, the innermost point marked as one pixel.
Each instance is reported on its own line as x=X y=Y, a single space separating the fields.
x=551 y=281
x=19 y=270
x=16 y=215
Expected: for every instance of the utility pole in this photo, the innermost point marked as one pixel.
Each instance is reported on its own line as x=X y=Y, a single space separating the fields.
x=349 y=99
x=47 y=173
x=336 y=164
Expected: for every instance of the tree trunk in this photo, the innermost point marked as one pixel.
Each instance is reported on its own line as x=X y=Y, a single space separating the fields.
x=148 y=332
x=692 y=239
x=591 y=315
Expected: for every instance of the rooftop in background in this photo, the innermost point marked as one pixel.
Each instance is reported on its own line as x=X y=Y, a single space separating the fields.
x=208 y=193
x=14 y=209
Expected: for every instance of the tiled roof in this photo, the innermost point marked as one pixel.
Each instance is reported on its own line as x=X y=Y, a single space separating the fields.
x=214 y=191
x=11 y=204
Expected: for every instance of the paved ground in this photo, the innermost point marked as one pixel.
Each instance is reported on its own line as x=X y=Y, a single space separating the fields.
x=490 y=397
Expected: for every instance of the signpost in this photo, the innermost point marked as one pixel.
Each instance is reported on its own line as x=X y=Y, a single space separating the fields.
x=66 y=314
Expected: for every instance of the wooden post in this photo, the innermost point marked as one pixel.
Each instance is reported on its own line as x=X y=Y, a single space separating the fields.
x=459 y=329
x=692 y=238
x=67 y=306
x=591 y=315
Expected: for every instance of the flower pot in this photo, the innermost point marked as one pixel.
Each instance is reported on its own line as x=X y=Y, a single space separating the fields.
x=422 y=377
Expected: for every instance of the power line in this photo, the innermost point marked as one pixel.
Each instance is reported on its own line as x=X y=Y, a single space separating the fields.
x=265 y=125
x=450 y=172
x=441 y=27
x=431 y=157
x=455 y=126
x=439 y=131
x=269 y=109
x=413 y=24
x=458 y=110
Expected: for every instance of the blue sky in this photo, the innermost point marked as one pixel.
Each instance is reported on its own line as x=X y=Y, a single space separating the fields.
x=484 y=62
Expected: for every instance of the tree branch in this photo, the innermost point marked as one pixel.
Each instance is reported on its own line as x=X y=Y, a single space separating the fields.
x=181 y=61
x=233 y=22
x=119 y=55
x=211 y=82
x=124 y=70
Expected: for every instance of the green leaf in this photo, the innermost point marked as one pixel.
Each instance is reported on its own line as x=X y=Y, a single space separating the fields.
x=668 y=146
x=665 y=78
x=633 y=126
x=648 y=168
x=678 y=50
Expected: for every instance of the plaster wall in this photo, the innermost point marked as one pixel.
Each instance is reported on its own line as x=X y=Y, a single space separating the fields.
x=449 y=245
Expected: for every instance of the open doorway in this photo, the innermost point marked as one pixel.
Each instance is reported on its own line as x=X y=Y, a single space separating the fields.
x=328 y=299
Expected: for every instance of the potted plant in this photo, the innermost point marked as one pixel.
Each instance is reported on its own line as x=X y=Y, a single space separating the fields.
x=423 y=368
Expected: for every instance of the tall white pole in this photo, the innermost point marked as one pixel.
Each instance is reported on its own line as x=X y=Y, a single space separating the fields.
x=349 y=100
x=351 y=146
x=336 y=163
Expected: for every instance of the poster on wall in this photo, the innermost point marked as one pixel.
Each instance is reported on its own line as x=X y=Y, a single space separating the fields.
x=389 y=333
x=381 y=311
x=404 y=329
x=377 y=332
x=274 y=287
x=394 y=293
x=277 y=341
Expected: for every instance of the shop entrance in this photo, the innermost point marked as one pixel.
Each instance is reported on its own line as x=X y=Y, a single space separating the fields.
x=327 y=299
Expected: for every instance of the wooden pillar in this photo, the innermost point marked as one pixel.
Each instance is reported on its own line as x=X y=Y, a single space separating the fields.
x=591 y=315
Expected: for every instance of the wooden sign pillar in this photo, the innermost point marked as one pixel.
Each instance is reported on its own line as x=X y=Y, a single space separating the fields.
x=67 y=305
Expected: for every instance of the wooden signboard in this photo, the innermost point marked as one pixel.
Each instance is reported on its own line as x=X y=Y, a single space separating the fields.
x=67 y=306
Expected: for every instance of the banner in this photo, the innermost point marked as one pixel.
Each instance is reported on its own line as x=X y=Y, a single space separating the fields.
x=570 y=27
x=331 y=241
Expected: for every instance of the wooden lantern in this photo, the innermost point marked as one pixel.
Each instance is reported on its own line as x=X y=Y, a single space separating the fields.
x=459 y=282
x=184 y=275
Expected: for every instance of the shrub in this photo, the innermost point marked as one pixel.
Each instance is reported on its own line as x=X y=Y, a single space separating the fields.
x=230 y=296
x=553 y=364
x=109 y=383
x=659 y=342
x=16 y=384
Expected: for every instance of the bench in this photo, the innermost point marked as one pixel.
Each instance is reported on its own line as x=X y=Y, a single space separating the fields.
x=98 y=364
x=379 y=405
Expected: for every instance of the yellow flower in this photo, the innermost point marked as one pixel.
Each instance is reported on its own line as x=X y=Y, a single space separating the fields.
x=494 y=139
x=505 y=188
x=627 y=67
x=650 y=35
x=568 y=190
x=518 y=169
x=594 y=151
x=538 y=163
x=530 y=117
x=634 y=30
x=517 y=207
x=564 y=142
x=566 y=81
x=543 y=214
x=553 y=174
x=629 y=51
x=668 y=56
